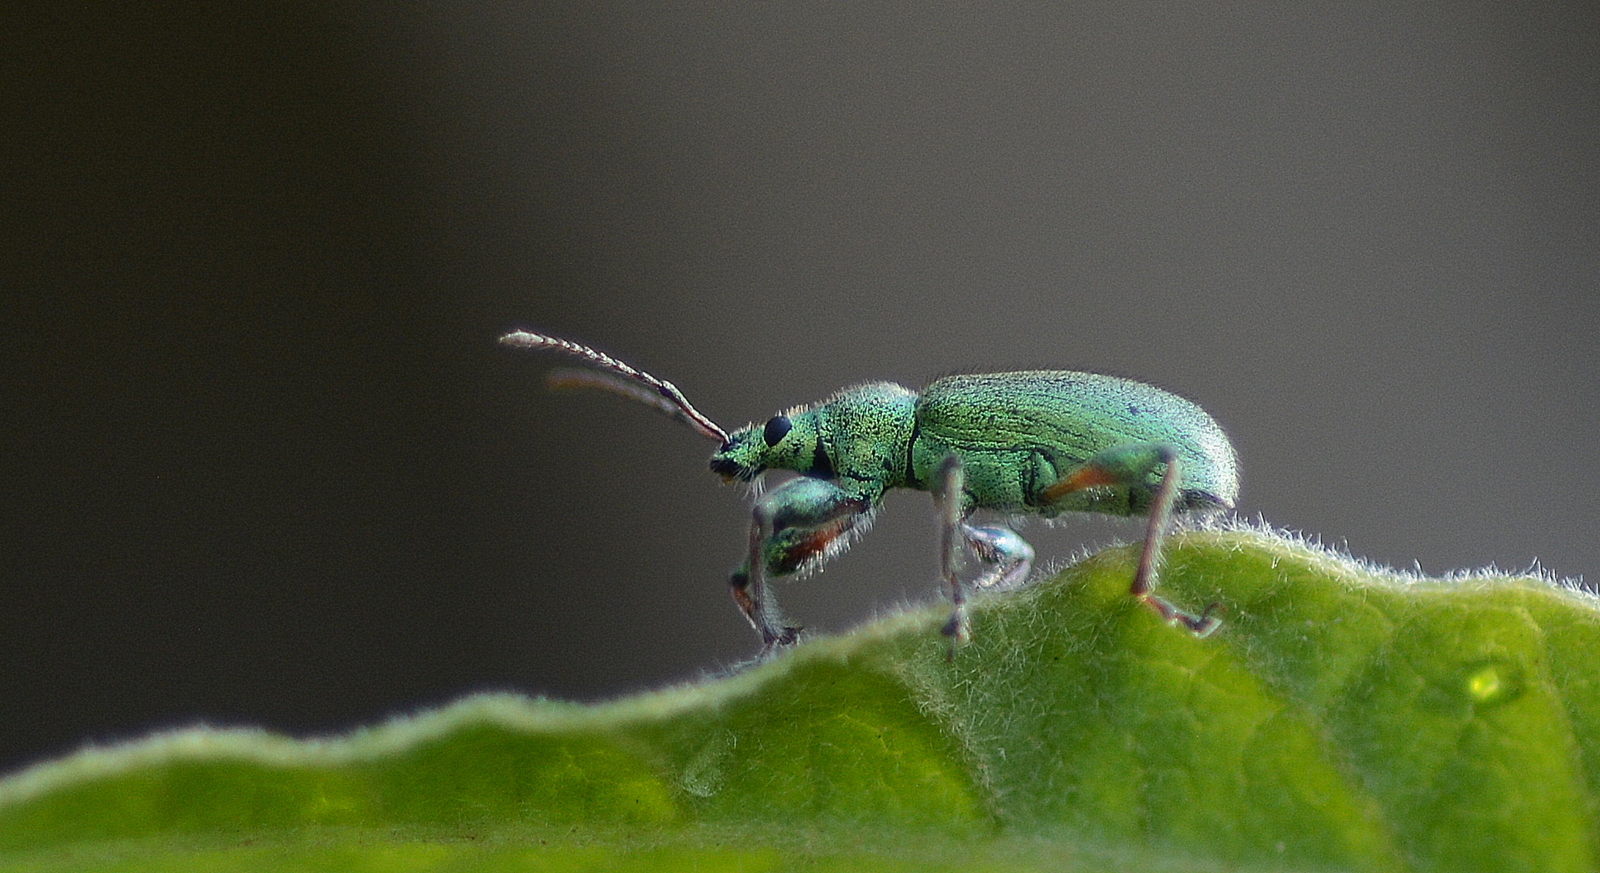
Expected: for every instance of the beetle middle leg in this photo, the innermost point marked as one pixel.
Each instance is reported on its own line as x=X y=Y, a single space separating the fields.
x=1008 y=557
x=795 y=525
x=1131 y=465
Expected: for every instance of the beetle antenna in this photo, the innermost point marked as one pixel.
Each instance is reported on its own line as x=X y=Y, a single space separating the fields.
x=566 y=378
x=637 y=384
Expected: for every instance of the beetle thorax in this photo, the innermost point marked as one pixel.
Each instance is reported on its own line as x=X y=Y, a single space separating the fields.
x=868 y=430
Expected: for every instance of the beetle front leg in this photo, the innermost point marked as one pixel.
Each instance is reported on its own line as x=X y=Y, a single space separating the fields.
x=1131 y=465
x=799 y=523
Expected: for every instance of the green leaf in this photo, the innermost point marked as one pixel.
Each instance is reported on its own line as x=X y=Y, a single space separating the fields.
x=1343 y=718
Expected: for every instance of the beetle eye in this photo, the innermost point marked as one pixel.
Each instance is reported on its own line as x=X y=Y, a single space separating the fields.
x=777 y=426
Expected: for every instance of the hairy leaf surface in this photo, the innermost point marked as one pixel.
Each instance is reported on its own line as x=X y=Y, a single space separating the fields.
x=1343 y=718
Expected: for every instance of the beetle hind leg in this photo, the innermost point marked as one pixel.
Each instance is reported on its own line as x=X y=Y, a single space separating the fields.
x=1131 y=465
x=1150 y=558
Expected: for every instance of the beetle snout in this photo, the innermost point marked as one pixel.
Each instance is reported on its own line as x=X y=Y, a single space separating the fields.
x=729 y=469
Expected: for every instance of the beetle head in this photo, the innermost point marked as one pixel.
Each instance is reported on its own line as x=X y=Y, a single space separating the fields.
x=790 y=441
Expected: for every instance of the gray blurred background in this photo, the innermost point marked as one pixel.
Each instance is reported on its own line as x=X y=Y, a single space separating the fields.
x=262 y=462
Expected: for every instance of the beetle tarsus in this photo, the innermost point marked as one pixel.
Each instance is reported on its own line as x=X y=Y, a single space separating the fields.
x=1205 y=623
x=774 y=645
x=1008 y=555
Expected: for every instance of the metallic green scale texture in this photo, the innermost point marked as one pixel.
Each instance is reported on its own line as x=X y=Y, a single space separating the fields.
x=1038 y=442
x=1018 y=433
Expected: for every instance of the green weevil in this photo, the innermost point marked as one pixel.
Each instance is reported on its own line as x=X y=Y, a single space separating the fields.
x=1041 y=442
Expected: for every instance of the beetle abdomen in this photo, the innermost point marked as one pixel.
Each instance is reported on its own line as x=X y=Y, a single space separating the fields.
x=1068 y=417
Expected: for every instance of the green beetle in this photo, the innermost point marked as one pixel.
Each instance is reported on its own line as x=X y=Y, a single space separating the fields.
x=1042 y=442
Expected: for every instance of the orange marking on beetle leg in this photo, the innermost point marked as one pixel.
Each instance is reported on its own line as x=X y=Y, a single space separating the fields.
x=808 y=546
x=816 y=542
x=1083 y=478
